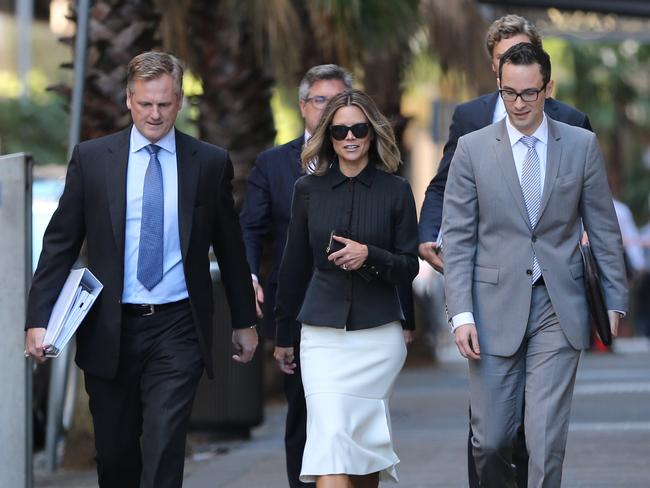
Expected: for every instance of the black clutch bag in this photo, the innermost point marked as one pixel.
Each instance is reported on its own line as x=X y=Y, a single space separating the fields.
x=595 y=298
x=334 y=246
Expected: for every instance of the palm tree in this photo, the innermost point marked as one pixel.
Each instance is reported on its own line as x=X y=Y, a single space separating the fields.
x=118 y=30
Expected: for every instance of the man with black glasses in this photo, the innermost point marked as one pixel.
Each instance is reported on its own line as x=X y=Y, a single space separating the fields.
x=475 y=114
x=518 y=195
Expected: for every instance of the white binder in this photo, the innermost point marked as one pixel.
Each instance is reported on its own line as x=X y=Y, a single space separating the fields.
x=79 y=292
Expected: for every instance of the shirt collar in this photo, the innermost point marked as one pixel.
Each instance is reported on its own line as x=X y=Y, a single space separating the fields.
x=366 y=176
x=138 y=141
x=541 y=133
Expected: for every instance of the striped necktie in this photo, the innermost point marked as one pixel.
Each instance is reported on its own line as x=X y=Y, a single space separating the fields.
x=531 y=186
x=150 y=257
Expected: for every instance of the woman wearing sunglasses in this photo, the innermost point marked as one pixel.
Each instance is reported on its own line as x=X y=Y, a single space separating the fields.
x=352 y=241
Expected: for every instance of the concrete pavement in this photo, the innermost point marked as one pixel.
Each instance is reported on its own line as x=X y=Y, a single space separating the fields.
x=609 y=441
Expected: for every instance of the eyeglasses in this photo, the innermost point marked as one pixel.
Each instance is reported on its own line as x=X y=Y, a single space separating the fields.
x=340 y=132
x=530 y=95
x=319 y=101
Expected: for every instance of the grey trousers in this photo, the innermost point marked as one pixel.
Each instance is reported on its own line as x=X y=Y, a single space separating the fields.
x=543 y=373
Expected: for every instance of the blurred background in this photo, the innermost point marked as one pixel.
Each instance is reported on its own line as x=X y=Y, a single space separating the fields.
x=416 y=58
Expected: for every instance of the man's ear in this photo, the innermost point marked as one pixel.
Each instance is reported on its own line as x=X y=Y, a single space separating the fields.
x=550 y=87
x=128 y=99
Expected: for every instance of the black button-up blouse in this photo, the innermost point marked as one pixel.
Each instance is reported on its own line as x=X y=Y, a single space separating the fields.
x=375 y=208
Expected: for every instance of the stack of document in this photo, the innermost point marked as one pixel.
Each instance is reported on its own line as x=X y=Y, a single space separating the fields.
x=79 y=292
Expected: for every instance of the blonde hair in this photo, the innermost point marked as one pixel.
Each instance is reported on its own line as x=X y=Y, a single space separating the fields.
x=153 y=64
x=318 y=153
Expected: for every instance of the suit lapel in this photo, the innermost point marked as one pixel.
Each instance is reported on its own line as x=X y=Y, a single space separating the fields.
x=506 y=163
x=296 y=149
x=490 y=102
x=188 y=167
x=553 y=157
x=115 y=166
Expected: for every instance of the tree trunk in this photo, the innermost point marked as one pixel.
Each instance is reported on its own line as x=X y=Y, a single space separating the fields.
x=235 y=107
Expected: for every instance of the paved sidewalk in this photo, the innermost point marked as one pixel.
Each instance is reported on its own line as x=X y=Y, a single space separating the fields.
x=608 y=446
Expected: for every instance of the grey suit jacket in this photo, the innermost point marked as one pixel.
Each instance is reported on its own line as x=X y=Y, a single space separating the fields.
x=489 y=242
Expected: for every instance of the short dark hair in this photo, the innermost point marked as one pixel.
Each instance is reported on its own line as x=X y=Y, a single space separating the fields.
x=525 y=54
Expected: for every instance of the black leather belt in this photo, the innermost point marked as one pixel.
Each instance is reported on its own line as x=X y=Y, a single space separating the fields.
x=147 y=309
x=539 y=282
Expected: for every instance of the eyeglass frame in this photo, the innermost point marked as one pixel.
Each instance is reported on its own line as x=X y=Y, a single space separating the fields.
x=528 y=91
x=318 y=101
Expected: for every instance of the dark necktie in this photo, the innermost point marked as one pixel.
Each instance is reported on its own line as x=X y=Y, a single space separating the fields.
x=150 y=257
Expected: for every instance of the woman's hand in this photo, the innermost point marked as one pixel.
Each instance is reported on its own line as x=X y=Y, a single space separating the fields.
x=285 y=358
x=408 y=336
x=352 y=256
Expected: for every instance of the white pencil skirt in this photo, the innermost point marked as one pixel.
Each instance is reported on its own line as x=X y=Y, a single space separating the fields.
x=348 y=378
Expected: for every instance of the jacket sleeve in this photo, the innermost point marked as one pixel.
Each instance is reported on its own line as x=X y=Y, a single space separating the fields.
x=61 y=245
x=296 y=267
x=255 y=218
x=229 y=249
x=601 y=224
x=431 y=212
x=459 y=232
x=401 y=265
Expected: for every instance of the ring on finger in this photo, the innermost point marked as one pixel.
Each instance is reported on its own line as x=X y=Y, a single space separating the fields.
x=345 y=267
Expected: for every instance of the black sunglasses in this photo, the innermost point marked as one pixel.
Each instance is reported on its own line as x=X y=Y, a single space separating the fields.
x=340 y=132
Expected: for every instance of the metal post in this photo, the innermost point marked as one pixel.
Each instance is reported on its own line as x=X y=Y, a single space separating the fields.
x=24 y=18
x=16 y=271
x=61 y=366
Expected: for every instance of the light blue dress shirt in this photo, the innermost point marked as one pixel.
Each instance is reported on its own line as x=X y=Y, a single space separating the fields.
x=172 y=287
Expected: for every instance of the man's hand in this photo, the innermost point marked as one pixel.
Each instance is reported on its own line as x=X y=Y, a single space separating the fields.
x=466 y=340
x=285 y=358
x=408 y=336
x=259 y=297
x=245 y=342
x=429 y=252
x=352 y=256
x=34 y=344
x=614 y=320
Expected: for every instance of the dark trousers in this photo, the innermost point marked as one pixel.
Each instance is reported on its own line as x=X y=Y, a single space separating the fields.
x=141 y=416
x=519 y=458
x=295 y=433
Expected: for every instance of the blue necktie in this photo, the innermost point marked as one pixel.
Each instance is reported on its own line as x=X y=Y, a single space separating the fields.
x=150 y=257
x=531 y=186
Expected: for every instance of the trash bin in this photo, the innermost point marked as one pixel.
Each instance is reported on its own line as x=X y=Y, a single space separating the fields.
x=233 y=402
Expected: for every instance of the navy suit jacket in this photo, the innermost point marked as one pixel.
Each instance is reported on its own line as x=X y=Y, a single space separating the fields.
x=267 y=210
x=468 y=117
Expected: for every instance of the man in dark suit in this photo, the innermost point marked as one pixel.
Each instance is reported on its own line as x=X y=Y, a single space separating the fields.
x=468 y=117
x=266 y=212
x=149 y=201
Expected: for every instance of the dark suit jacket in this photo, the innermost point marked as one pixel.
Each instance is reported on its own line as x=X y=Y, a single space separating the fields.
x=376 y=208
x=267 y=210
x=468 y=117
x=93 y=208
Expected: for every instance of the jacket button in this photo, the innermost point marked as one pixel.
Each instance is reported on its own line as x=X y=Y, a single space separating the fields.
x=529 y=272
x=534 y=238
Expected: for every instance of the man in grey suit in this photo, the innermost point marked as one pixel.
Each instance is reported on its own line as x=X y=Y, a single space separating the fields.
x=518 y=193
